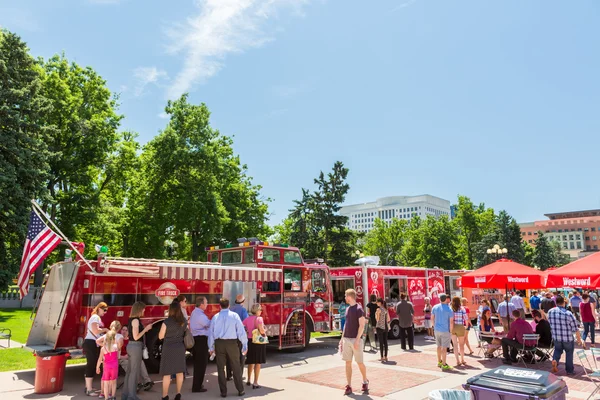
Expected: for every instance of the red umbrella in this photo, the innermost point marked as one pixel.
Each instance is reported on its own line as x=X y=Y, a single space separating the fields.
x=582 y=273
x=504 y=273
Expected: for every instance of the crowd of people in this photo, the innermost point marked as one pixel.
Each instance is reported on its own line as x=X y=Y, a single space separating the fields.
x=232 y=337
x=556 y=320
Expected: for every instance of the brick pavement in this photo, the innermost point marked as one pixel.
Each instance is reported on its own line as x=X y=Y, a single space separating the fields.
x=383 y=381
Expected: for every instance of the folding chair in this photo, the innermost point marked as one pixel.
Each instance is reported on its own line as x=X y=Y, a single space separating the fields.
x=594 y=376
x=486 y=346
x=530 y=350
x=548 y=351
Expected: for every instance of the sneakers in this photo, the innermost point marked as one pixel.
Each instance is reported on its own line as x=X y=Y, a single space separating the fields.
x=348 y=391
x=446 y=367
x=148 y=386
x=365 y=387
x=440 y=364
x=554 y=366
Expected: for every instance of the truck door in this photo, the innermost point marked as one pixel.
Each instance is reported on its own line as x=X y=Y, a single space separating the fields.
x=320 y=302
x=53 y=306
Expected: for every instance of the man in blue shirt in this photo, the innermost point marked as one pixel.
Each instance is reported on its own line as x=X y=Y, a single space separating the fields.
x=225 y=331
x=239 y=309
x=199 y=326
x=534 y=301
x=443 y=323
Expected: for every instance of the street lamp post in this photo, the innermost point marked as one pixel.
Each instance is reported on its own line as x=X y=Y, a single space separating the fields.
x=497 y=252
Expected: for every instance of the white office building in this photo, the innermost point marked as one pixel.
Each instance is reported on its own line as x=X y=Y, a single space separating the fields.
x=361 y=217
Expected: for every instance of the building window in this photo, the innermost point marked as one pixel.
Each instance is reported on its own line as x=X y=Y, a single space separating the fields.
x=578 y=237
x=572 y=246
x=594 y=237
x=529 y=233
x=579 y=245
x=593 y=229
x=565 y=245
x=595 y=247
x=564 y=237
x=586 y=229
x=530 y=241
x=570 y=237
x=587 y=238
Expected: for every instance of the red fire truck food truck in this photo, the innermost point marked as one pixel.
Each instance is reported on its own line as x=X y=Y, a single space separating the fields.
x=295 y=296
x=387 y=283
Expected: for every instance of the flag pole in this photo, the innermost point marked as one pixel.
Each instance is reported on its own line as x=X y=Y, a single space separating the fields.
x=37 y=208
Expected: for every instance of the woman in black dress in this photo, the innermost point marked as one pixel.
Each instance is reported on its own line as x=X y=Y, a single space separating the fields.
x=172 y=360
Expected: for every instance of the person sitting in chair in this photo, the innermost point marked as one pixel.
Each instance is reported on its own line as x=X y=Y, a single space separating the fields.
x=514 y=338
x=542 y=328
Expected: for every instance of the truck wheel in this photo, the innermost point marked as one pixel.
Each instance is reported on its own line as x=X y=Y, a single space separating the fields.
x=394 y=333
x=307 y=332
x=154 y=346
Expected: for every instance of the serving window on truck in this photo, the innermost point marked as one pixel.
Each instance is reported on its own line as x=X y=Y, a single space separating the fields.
x=339 y=287
x=393 y=286
x=319 y=283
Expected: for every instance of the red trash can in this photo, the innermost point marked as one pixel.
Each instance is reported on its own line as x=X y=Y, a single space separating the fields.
x=50 y=370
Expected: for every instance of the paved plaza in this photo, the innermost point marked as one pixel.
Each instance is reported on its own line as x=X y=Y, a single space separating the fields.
x=319 y=371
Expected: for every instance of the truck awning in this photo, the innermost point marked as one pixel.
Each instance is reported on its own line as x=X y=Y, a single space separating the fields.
x=218 y=273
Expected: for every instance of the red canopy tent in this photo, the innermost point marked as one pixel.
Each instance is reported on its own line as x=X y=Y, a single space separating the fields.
x=582 y=273
x=504 y=273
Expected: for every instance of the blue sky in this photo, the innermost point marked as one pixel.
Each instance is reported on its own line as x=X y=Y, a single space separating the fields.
x=495 y=100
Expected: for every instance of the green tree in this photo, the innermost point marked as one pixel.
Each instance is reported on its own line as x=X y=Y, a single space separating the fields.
x=438 y=243
x=559 y=257
x=316 y=226
x=506 y=233
x=82 y=123
x=528 y=253
x=193 y=186
x=387 y=241
x=412 y=250
x=545 y=255
x=23 y=151
x=328 y=198
x=473 y=223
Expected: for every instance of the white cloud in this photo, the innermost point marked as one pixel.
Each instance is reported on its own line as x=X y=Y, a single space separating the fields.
x=403 y=4
x=222 y=27
x=145 y=76
x=163 y=115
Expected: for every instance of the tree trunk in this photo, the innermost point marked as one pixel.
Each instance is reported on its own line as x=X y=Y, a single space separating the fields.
x=195 y=249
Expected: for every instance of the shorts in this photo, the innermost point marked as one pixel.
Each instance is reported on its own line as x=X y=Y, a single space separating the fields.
x=348 y=350
x=458 y=330
x=443 y=339
x=427 y=323
x=110 y=371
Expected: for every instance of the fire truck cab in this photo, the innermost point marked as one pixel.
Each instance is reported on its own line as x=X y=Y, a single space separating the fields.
x=296 y=305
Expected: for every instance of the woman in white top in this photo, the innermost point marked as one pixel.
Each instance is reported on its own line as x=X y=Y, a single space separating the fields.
x=95 y=328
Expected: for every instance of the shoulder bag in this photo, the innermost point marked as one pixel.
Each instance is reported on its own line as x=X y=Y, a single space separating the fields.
x=257 y=338
x=188 y=339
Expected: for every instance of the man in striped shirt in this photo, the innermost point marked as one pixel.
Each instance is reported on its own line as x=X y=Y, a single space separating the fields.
x=563 y=325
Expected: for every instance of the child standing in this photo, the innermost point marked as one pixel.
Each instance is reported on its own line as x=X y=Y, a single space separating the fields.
x=109 y=355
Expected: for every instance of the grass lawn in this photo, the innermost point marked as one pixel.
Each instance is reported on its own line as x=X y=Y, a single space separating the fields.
x=18 y=359
x=17 y=320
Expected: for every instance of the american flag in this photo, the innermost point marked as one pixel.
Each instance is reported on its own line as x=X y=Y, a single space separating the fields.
x=40 y=241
